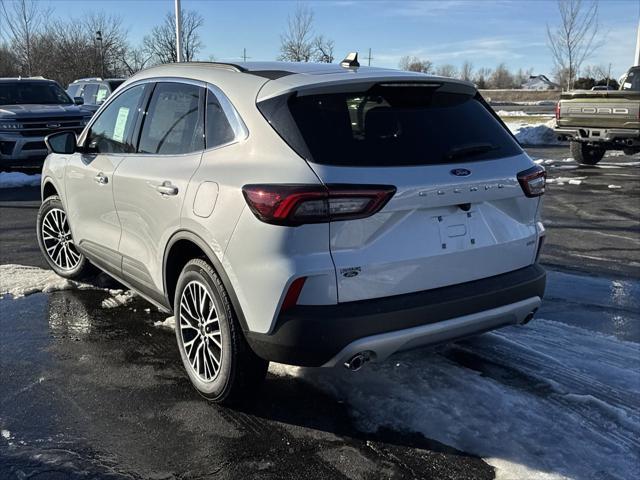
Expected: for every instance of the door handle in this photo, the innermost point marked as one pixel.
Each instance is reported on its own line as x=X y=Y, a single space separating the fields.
x=167 y=189
x=101 y=178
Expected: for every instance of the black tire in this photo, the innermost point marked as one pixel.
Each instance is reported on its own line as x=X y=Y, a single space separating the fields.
x=77 y=265
x=585 y=154
x=240 y=370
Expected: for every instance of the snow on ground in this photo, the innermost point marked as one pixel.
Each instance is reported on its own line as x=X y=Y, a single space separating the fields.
x=19 y=281
x=535 y=134
x=563 y=180
x=542 y=401
x=169 y=322
x=17 y=179
x=520 y=113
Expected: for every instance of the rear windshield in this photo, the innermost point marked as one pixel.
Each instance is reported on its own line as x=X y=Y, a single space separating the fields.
x=24 y=92
x=392 y=125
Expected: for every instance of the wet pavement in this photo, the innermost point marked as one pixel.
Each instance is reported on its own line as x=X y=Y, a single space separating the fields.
x=93 y=392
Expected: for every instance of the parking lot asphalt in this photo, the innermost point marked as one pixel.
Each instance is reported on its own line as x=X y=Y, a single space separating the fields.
x=94 y=392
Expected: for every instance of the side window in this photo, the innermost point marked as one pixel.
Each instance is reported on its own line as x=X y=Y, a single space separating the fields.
x=111 y=132
x=219 y=130
x=103 y=93
x=73 y=90
x=89 y=93
x=173 y=123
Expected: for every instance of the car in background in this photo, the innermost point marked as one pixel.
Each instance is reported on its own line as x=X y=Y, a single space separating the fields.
x=30 y=109
x=595 y=121
x=602 y=87
x=93 y=91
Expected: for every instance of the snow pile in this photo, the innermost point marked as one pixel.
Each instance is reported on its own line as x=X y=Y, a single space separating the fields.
x=614 y=187
x=169 y=323
x=535 y=134
x=17 y=179
x=118 y=299
x=19 y=280
x=563 y=180
x=543 y=401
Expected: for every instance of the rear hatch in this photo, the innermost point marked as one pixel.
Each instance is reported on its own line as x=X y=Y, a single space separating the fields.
x=459 y=213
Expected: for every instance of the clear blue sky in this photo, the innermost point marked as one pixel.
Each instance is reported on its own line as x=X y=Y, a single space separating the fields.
x=485 y=32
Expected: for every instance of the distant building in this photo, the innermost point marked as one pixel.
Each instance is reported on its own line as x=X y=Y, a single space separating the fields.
x=539 y=82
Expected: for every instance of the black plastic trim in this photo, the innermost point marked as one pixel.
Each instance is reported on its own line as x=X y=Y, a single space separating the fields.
x=312 y=335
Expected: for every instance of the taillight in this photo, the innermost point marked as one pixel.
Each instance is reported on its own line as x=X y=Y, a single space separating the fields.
x=294 y=205
x=533 y=181
x=558 y=111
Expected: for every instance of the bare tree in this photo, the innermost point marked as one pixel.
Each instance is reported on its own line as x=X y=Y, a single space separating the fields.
x=446 y=70
x=161 y=43
x=481 y=77
x=501 y=77
x=8 y=62
x=415 y=64
x=575 y=39
x=299 y=44
x=466 y=72
x=23 y=20
x=134 y=59
x=323 y=49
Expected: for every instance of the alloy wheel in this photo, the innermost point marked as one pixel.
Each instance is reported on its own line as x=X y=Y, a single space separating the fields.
x=200 y=331
x=57 y=240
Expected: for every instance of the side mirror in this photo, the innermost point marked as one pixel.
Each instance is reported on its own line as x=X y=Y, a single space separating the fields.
x=78 y=100
x=61 y=142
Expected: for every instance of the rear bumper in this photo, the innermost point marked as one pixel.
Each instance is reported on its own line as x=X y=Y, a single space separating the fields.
x=627 y=136
x=327 y=335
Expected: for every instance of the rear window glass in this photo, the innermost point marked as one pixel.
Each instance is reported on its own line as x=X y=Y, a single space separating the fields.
x=396 y=125
x=632 y=82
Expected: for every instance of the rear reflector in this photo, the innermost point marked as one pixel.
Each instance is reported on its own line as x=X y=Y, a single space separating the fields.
x=291 y=298
x=294 y=205
x=533 y=181
x=558 y=111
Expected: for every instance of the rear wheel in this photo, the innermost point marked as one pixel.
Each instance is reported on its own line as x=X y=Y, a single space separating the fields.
x=586 y=154
x=220 y=364
x=57 y=244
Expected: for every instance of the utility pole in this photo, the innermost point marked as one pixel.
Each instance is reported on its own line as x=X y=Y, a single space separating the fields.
x=99 y=40
x=637 y=59
x=178 y=32
x=369 y=58
x=244 y=55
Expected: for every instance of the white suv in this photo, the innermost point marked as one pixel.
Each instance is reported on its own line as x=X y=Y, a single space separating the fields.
x=315 y=215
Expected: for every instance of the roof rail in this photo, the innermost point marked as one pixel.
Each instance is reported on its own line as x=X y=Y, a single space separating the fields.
x=222 y=65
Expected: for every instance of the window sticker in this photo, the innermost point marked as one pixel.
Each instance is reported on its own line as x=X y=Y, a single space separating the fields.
x=121 y=123
x=102 y=94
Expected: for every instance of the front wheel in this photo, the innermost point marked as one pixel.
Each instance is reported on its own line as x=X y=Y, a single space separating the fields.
x=56 y=242
x=220 y=364
x=586 y=154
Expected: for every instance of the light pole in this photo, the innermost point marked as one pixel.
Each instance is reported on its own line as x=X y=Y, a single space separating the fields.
x=178 y=32
x=99 y=40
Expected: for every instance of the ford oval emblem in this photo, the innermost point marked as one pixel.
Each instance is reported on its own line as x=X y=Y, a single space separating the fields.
x=460 y=172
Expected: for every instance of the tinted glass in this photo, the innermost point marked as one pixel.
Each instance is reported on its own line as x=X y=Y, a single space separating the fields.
x=397 y=125
x=115 y=84
x=219 y=130
x=174 y=120
x=111 y=132
x=89 y=93
x=25 y=92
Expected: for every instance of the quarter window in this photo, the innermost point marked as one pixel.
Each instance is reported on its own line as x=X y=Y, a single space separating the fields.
x=174 y=120
x=219 y=130
x=89 y=93
x=111 y=132
x=103 y=93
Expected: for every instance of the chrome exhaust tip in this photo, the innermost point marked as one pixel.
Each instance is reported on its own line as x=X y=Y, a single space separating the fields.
x=529 y=317
x=356 y=362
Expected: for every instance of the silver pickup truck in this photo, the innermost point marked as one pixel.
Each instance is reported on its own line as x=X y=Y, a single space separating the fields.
x=30 y=109
x=595 y=121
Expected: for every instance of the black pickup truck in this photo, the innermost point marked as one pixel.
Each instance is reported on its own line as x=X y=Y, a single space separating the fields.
x=595 y=121
x=30 y=109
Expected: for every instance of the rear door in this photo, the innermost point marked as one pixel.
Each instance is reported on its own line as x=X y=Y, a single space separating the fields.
x=150 y=186
x=459 y=213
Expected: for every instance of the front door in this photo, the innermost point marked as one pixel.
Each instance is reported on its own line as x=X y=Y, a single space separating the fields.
x=150 y=186
x=89 y=180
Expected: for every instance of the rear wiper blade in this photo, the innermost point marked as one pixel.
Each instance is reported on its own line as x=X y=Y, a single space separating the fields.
x=469 y=150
